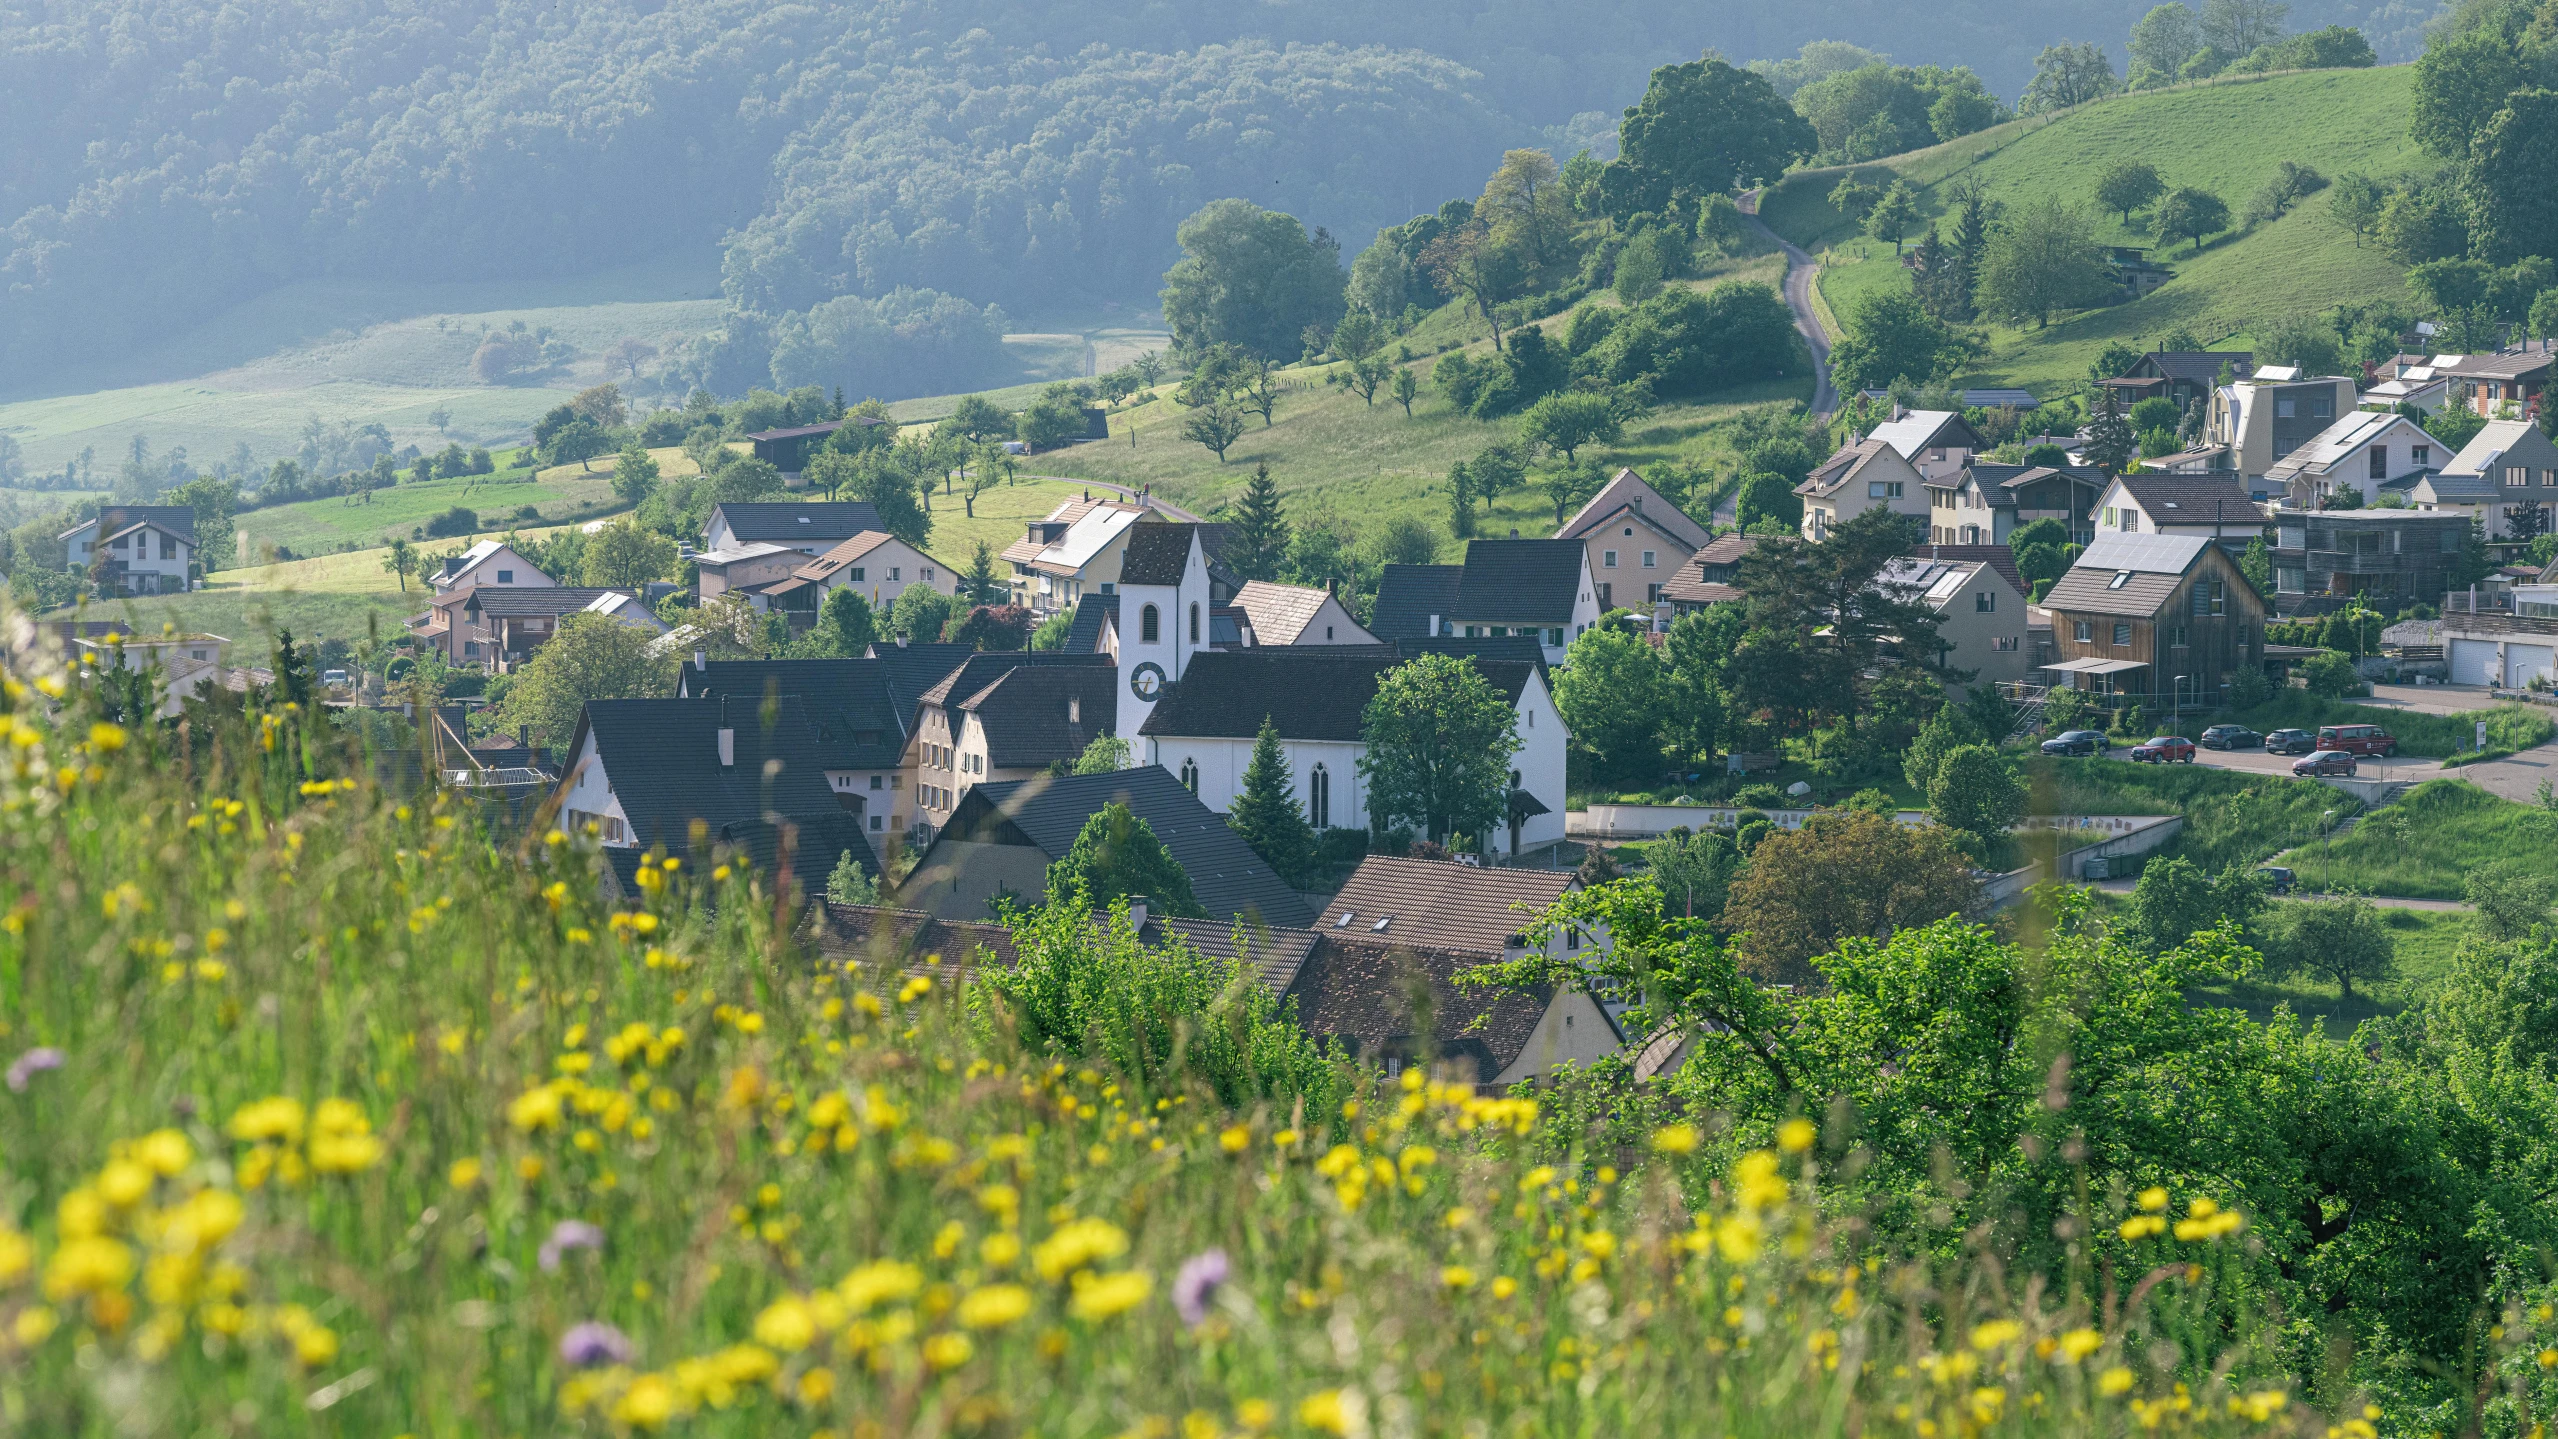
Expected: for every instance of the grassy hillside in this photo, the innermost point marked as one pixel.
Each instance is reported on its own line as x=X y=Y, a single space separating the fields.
x=2426 y=845
x=1365 y=464
x=2224 y=137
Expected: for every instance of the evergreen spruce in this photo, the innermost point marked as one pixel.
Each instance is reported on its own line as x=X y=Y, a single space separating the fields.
x=1259 y=546
x=1267 y=814
x=983 y=585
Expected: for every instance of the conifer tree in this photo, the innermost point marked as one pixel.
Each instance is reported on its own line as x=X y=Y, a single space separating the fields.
x=1267 y=816
x=1259 y=546
x=983 y=585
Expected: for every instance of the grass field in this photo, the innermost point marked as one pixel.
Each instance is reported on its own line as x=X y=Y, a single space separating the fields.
x=2426 y=941
x=2224 y=137
x=2231 y=817
x=1362 y=464
x=2424 y=846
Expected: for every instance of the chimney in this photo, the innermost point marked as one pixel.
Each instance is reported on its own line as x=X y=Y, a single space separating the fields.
x=727 y=747
x=1137 y=910
x=1514 y=532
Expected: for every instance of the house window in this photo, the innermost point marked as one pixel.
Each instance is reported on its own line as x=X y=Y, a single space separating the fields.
x=1110 y=589
x=2176 y=638
x=2420 y=455
x=2131 y=521
x=1319 y=797
x=2322 y=404
x=2380 y=462
x=1986 y=602
x=506 y=577
x=1554 y=638
x=1190 y=775
x=1149 y=625
x=1608 y=559
x=928 y=574
x=1882 y=489
x=875 y=820
x=893 y=575
x=1194 y=622
x=2003 y=644
x=1652 y=559
x=2122 y=634
x=858 y=575
x=877 y=781
x=2285 y=407
x=2083 y=631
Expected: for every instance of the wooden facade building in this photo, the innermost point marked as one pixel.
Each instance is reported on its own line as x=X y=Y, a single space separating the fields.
x=2167 y=618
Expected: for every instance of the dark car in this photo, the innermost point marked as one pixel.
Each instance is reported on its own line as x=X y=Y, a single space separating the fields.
x=2326 y=761
x=2290 y=741
x=2164 y=749
x=2231 y=736
x=2278 y=880
x=2357 y=739
x=2077 y=741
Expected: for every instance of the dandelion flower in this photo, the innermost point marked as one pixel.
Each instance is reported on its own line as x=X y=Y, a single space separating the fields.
x=1675 y=1139
x=2117 y=1380
x=2079 y=1343
x=1111 y=1295
x=787 y=1325
x=1796 y=1135
x=994 y=1306
x=948 y=1351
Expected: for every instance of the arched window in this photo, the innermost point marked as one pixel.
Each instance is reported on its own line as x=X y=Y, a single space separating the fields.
x=1319 y=797
x=1190 y=775
x=1194 y=622
x=1150 y=626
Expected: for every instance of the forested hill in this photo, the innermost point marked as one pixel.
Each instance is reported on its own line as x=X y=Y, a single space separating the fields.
x=166 y=161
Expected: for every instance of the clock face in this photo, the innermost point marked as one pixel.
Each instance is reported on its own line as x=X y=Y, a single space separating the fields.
x=1146 y=681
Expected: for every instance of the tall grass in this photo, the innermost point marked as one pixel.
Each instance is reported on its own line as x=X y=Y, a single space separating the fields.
x=329 y=1117
x=2426 y=845
x=2231 y=816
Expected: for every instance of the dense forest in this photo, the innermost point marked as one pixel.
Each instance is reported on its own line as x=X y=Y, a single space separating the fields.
x=169 y=161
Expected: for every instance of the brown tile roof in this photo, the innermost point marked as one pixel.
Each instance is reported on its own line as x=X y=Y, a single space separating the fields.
x=1362 y=995
x=1438 y=904
x=1279 y=613
x=1834 y=471
x=1274 y=956
x=1728 y=549
x=909 y=938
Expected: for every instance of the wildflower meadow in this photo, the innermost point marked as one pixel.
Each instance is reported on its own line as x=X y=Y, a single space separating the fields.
x=326 y=1115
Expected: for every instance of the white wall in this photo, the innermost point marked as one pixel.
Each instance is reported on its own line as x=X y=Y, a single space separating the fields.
x=588 y=790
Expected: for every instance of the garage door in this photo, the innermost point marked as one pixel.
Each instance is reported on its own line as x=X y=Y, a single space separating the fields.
x=2524 y=662
x=2473 y=662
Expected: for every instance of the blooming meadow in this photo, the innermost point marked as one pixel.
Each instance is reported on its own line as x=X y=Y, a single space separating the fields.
x=324 y=1115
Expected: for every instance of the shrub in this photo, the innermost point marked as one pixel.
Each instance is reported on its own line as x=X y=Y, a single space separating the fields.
x=453 y=522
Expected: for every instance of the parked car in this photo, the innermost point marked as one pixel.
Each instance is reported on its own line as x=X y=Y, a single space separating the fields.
x=2231 y=736
x=2326 y=761
x=2290 y=741
x=2164 y=749
x=2078 y=741
x=2357 y=739
x=2278 y=880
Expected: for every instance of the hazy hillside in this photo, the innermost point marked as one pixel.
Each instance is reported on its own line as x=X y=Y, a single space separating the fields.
x=168 y=163
x=2225 y=137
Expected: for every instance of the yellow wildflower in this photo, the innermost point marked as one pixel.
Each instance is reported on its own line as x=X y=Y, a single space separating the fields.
x=1112 y=1294
x=2117 y=1380
x=1796 y=1135
x=1076 y=1245
x=786 y=1324
x=2079 y=1343
x=948 y=1351
x=883 y=1282
x=994 y=1306
x=1675 y=1139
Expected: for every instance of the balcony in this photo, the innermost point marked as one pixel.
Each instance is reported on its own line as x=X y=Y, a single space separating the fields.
x=2361 y=562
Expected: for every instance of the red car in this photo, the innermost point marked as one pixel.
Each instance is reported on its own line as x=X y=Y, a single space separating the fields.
x=2326 y=761
x=2357 y=739
x=2164 y=749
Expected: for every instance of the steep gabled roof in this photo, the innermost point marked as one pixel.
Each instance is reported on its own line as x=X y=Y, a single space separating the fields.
x=1630 y=491
x=2498 y=439
x=1925 y=429
x=2322 y=452
x=1227 y=877
x=1280 y=613
x=913 y=669
x=508 y=602
x=2131 y=575
x=1359 y=993
x=114 y=520
x=2187 y=499
x=1408 y=595
x=977 y=671
x=1308 y=692
x=1092 y=612
x=1439 y=905
x=911 y=939
x=1157 y=553
x=1035 y=715
x=1534 y=582
x=662 y=757
x=1999 y=558
x=858 y=722
x=1832 y=474
x=2199 y=366
x=797 y=521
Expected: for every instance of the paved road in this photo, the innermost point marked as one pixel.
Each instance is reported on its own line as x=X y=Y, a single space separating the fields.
x=2257 y=761
x=2379 y=901
x=1799 y=270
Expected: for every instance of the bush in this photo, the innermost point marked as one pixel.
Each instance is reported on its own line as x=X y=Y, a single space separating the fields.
x=2330 y=675
x=453 y=522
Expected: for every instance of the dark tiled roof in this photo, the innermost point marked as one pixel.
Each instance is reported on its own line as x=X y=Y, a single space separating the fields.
x=1520 y=581
x=1091 y=613
x=2190 y=499
x=1360 y=993
x=1526 y=649
x=1226 y=876
x=829 y=427
x=1025 y=712
x=1274 y=956
x=663 y=759
x=913 y=669
x=781 y=521
x=2202 y=366
x=1439 y=904
x=1408 y=595
x=1997 y=557
x=1727 y=549
x=1309 y=692
x=497 y=600
x=178 y=519
x=979 y=670
x=1157 y=553
x=858 y=723
x=909 y=938
x=2510 y=365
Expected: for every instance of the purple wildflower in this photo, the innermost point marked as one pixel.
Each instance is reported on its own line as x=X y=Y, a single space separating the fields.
x=594 y=1342
x=1196 y=1285
x=566 y=1235
x=31 y=1064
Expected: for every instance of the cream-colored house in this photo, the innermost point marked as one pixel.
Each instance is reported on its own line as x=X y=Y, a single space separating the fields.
x=1636 y=540
x=1867 y=475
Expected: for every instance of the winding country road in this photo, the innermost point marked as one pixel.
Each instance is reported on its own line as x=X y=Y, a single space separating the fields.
x=1799 y=270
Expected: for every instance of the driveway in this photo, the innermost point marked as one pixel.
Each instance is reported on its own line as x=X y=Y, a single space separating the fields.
x=2432 y=699
x=2517 y=777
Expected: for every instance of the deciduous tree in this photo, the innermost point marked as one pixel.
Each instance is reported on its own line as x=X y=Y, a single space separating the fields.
x=1565 y=422
x=2043 y=259
x=625 y=556
x=1846 y=874
x=2128 y=184
x=2192 y=214
x=1117 y=856
x=1439 y=741
x=1613 y=692
x=590 y=657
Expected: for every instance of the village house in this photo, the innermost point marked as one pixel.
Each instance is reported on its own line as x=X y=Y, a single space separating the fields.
x=790 y=448
x=2504 y=385
x=1936 y=443
x=811 y=527
x=2256 y=421
x=1073 y=551
x=2395 y=556
x=1984 y=502
x=2423 y=381
x=1003 y=835
x=2506 y=478
x=642 y=773
x=1277 y=614
x=745 y=567
x=984 y=721
x=2187 y=377
x=861 y=727
x=2215 y=506
x=1541 y=588
x=1979 y=600
x=134 y=549
x=1712 y=575
x=489 y=562
x=1636 y=540
x=877 y=566
x=1204 y=726
x=2166 y=618
x=188 y=662
x=1867 y=475
x=2369 y=452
